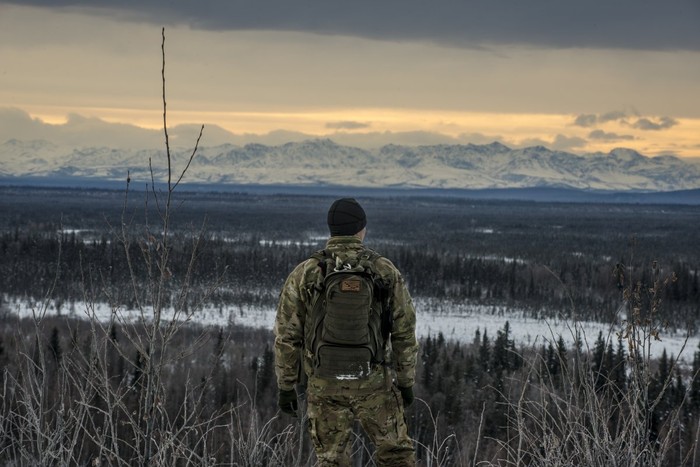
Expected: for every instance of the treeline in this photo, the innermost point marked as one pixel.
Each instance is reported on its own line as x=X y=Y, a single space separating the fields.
x=562 y=286
x=462 y=380
x=249 y=270
x=72 y=391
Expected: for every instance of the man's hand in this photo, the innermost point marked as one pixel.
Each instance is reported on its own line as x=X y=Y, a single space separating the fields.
x=287 y=402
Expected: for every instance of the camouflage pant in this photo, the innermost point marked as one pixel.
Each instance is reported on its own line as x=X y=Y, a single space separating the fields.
x=331 y=419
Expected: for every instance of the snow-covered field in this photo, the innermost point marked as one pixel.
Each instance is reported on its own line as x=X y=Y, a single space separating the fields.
x=456 y=321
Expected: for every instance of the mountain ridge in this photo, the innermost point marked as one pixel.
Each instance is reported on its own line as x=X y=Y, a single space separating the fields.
x=324 y=162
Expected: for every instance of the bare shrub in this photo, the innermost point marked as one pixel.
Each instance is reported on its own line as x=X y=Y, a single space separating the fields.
x=596 y=416
x=109 y=398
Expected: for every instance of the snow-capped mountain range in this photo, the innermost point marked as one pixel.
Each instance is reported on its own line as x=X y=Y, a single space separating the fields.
x=323 y=162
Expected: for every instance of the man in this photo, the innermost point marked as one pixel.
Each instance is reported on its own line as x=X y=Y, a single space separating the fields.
x=369 y=391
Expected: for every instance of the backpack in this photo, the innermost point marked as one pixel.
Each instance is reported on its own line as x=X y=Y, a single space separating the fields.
x=350 y=316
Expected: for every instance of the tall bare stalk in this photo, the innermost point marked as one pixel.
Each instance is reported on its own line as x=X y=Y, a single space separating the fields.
x=582 y=418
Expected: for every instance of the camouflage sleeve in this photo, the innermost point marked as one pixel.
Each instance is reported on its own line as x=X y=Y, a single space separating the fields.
x=403 y=336
x=289 y=331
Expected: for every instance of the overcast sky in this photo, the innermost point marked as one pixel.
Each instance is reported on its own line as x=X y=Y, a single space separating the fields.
x=576 y=76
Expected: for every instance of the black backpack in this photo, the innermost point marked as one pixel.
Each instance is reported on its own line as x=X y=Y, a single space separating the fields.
x=350 y=316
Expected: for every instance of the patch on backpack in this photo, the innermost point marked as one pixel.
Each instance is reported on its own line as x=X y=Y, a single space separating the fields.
x=350 y=285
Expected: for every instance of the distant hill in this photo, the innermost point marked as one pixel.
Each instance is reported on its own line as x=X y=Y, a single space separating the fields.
x=322 y=162
x=545 y=195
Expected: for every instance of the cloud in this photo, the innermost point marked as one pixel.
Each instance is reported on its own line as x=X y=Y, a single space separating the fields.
x=646 y=124
x=80 y=131
x=15 y=123
x=560 y=143
x=642 y=123
x=612 y=116
x=568 y=143
x=365 y=140
x=626 y=24
x=530 y=142
x=406 y=138
x=480 y=138
x=375 y=139
x=347 y=125
x=590 y=120
x=586 y=120
x=605 y=136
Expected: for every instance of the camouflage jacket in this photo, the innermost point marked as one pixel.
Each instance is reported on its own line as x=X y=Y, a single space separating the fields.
x=295 y=308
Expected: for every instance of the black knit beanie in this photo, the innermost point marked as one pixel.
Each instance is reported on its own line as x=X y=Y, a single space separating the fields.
x=346 y=217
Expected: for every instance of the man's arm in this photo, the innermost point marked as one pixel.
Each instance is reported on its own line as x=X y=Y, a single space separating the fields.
x=289 y=332
x=403 y=335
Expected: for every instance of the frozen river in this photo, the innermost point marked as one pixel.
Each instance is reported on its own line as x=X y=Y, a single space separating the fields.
x=456 y=321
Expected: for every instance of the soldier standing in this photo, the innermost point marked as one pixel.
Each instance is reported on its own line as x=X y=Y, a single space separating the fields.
x=346 y=318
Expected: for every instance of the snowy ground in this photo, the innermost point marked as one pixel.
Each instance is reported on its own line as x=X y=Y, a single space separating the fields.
x=456 y=322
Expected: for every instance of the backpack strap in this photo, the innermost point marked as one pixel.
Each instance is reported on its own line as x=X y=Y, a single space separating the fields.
x=382 y=292
x=322 y=257
x=317 y=314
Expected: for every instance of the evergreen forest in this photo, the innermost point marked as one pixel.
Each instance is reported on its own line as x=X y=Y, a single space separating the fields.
x=164 y=389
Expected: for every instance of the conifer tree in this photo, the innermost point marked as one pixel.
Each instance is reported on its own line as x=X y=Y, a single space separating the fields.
x=485 y=352
x=137 y=372
x=599 y=369
x=619 y=367
x=427 y=360
x=264 y=371
x=561 y=352
x=500 y=356
x=695 y=384
x=55 y=346
x=679 y=390
x=663 y=372
x=551 y=359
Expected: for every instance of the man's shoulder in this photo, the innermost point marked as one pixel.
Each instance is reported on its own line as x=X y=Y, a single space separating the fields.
x=306 y=271
x=384 y=266
x=308 y=264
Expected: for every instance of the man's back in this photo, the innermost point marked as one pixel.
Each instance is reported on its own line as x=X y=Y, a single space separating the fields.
x=376 y=397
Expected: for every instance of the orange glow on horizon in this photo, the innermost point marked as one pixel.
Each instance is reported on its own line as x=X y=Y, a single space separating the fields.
x=513 y=129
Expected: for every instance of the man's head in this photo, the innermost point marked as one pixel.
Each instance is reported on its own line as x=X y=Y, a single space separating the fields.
x=346 y=217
